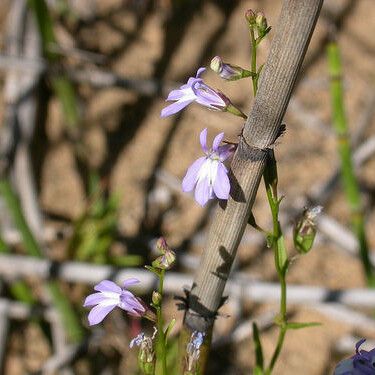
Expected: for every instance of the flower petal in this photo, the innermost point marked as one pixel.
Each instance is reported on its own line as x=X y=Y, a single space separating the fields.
x=191 y=177
x=203 y=140
x=132 y=305
x=200 y=71
x=203 y=191
x=175 y=107
x=221 y=183
x=225 y=151
x=94 y=299
x=217 y=141
x=130 y=281
x=208 y=97
x=107 y=286
x=175 y=95
x=98 y=313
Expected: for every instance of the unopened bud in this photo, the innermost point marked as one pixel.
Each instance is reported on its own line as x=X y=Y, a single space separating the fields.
x=305 y=230
x=261 y=23
x=156 y=298
x=227 y=71
x=168 y=257
x=250 y=17
x=161 y=245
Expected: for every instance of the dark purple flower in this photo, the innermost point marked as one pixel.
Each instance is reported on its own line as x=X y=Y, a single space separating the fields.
x=195 y=90
x=208 y=175
x=362 y=363
x=109 y=296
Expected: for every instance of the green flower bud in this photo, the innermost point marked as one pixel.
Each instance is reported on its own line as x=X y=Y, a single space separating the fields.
x=156 y=298
x=305 y=230
x=261 y=24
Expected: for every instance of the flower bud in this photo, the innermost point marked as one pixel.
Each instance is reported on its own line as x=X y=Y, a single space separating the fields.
x=227 y=71
x=168 y=257
x=250 y=17
x=161 y=245
x=305 y=230
x=156 y=298
x=261 y=24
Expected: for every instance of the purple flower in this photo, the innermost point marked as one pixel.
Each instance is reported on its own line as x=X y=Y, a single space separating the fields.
x=208 y=175
x=195 y=90
x=109 y=296
x=362 y=363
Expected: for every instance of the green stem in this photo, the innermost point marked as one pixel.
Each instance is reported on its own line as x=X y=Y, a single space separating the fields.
x=254 y=77
x=278 y=245
x=282 y=325
x=349 y=180
x=162 y=355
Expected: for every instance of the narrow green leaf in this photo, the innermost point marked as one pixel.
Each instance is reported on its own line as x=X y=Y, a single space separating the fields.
x=296 y=325
x=169 y=328
x=258 y=348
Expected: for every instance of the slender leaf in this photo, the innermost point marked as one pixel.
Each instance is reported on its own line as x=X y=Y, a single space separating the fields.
x=259 y=359
x=292 y=325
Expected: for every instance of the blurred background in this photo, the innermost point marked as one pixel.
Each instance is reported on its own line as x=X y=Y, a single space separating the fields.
x=91 y=176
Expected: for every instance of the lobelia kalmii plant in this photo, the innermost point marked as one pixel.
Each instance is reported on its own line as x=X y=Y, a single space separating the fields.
x=208 y=176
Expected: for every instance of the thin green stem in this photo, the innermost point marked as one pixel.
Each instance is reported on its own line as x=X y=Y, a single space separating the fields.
x=278 y=245
x=282 y=325
x=254 y=77
x=162 y=355
x=349 y=180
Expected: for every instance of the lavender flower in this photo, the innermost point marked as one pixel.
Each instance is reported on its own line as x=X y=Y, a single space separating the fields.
x=111 y=295
x=195 y=90
x=362 y=363
x=208 y=175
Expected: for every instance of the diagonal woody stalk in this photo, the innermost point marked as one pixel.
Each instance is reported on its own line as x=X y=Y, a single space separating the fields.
x=293 y=33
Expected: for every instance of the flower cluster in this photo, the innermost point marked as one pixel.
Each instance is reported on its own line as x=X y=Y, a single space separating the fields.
x=207 y=175
x=362 y=363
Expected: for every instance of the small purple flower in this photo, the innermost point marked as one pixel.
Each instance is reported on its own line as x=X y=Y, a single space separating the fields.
x=208 y=175
x=362 y=363
x=195 y=90
x=109 y=296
